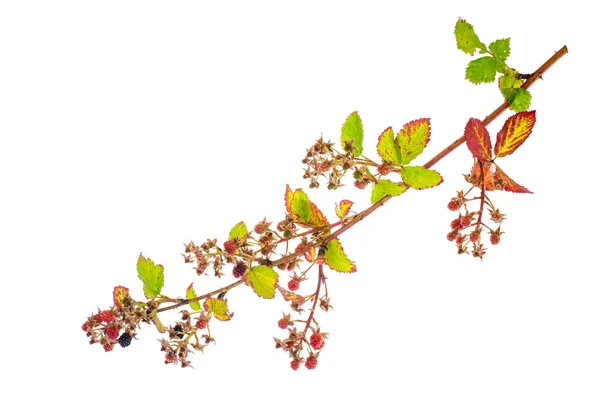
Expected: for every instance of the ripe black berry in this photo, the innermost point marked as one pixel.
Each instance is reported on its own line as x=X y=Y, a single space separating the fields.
x=178 y=331
x=125 y=340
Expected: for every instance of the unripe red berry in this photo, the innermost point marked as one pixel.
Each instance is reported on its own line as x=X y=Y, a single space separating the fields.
x=108 y=347
x=262 y=227
x=494 y=238
x=465 y=220
x=454 y=204
x=284 y=322
x=86 y=326
x=455 y=224
x=474 y=236
x=112 y=332
x=96 y=318
x=325 y=166
x=317 y=341
x=452 y=235
x=107 y=316
x=295 y=364
x=201 y=323
x=311 y=362
x=293 y=284
x=230 y=246
x=360 y=183
x=384 y=169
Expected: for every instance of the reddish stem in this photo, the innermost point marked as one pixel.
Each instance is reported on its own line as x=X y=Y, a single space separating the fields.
x=314 y=307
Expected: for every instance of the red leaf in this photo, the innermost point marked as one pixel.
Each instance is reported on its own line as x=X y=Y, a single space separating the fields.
x=478 y=140
x=516 y=129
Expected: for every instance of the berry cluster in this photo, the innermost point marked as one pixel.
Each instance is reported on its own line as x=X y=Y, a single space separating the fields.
x=295 y=343
x=468 y=226
x=242 y=252
x=185 y=335
x=322 y=160
x=257 y=245
x=115 y=325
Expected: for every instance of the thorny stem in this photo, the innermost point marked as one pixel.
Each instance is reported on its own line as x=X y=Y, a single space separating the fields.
x=360 y=216
x=183 y=302
x=491 y=117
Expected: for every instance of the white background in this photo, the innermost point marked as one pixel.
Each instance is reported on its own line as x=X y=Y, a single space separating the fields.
x=131 y=127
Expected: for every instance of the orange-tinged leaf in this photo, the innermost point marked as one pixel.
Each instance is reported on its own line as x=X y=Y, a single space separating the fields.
x=343 y=208
x=412 y=139
x=308 y=251
x=120 y=296
x=289 y=296
x=488 y=176
x=478 y=140
x=317 y=219
x=495 y=179
x=515 y=131
x=508 y=183
x=302 y=210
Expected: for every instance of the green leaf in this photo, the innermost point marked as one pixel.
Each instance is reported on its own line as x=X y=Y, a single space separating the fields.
x=412 y=139
x=500 y=49
x=191 y=294
x=388 y=148
x=336 y=259
x=218 y=308
x=352 y=129
x=262 y=280
x=466 y=39
x=507 y=84
x=481 y=70
x=383 y=187
x=151 y=275
x=418 y=177
x=239 y=231
x=519 y=100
